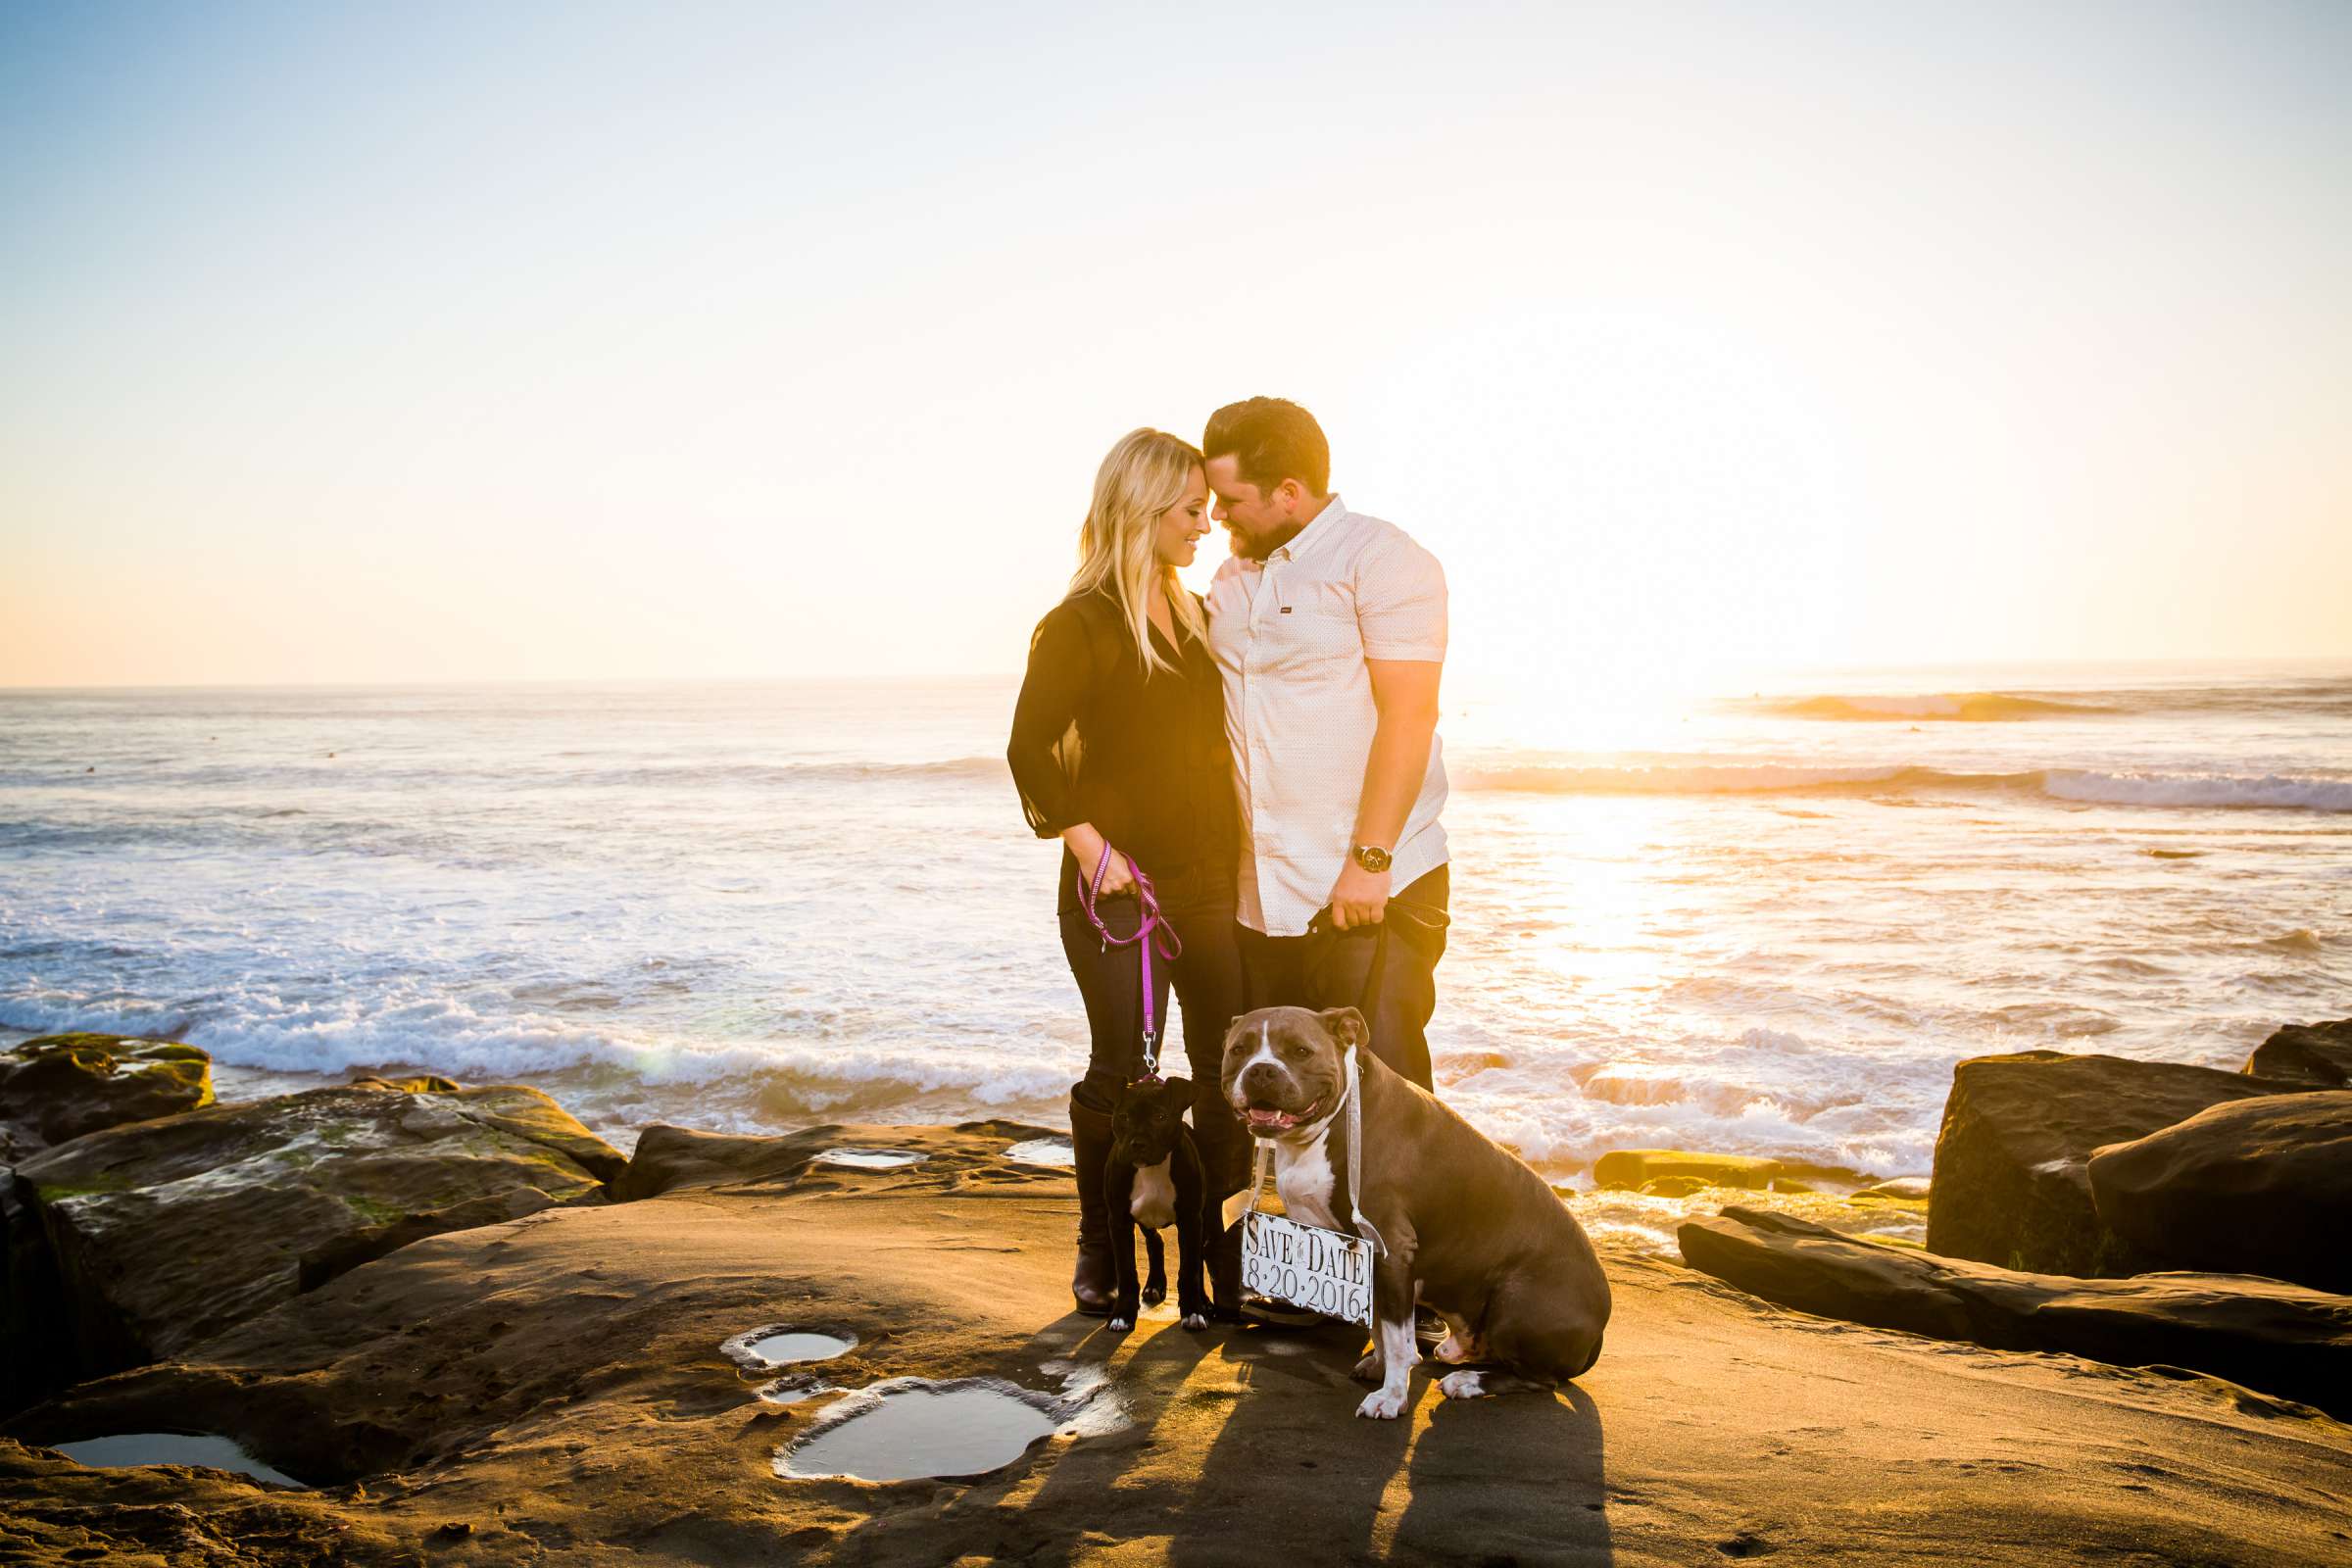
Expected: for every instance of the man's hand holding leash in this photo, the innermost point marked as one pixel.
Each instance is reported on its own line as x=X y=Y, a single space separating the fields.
x=1359 y=897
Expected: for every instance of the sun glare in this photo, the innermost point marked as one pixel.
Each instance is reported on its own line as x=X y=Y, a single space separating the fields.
x=1631 y=510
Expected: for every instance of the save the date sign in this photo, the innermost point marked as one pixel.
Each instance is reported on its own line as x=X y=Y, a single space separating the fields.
x=1308 y=1266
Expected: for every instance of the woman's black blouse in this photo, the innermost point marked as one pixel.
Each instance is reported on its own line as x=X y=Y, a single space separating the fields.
x=1097 y=737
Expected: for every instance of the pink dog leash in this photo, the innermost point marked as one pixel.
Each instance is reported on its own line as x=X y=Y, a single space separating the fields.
x=1150 y=931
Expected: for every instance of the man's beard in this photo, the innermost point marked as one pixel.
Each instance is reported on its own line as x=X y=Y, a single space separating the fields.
x=1257 y=547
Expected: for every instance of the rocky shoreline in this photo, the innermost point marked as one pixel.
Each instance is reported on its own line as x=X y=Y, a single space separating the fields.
x=475 y=1333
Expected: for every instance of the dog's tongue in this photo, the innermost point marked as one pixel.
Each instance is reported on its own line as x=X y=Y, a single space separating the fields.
x=1275 y=1120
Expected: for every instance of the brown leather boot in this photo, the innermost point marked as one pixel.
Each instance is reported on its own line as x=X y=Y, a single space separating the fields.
x=1093 y=1281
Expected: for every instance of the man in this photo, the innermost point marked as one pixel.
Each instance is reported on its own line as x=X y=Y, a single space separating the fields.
x=1329 y=628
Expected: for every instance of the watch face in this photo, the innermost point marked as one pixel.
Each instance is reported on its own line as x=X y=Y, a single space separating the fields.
x=1372 y=857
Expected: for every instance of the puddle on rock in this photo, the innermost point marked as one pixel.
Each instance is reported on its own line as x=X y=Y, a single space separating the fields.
x=869 y=1158
x=911 y=1428
x=783 y=1343
x=125 y=1448
x=1054 y=1154
x=792 y=1390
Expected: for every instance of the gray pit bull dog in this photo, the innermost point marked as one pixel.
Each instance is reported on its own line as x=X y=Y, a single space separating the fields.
x=1470 y=1230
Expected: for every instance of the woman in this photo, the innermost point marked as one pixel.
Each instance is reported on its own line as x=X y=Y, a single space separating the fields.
x=1118 y=748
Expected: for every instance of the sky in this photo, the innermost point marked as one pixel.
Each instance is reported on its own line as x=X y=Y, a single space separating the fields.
x=441 y=342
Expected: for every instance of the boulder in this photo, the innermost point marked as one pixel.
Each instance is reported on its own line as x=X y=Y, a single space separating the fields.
x=427 y=1084
x=149 y=1236
x=2285 y=1340
x=669 y=1158
x=2317 y=1055
x=55 y=1088
x=2254 y=1187
x=1677 y=1172
x=2011 y=1182
x=1901 y=1189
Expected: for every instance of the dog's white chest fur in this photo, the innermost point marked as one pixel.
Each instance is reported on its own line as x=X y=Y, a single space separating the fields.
x=1302 y=1175
x=1153 y=1202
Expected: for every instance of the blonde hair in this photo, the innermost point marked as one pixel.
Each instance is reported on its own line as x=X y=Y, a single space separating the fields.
x=1147 y=472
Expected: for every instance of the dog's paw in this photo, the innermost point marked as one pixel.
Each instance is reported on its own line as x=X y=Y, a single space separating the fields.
x=1120 y=1325
x=1462 y=1386
x=1383 y=1404
x=1153 y=1294
x=1371 y=1369
x=1196 y=1321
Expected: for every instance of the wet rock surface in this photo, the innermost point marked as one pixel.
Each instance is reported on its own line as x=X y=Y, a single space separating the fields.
x=2254 y=1187
x=2281 y=1339
x=2011 y=1182
x=59 y=1087
x=136 y=1242
x=553 y=1389
x=2317 y=1055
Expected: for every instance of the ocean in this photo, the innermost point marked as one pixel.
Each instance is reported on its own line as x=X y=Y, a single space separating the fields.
x=1766 y=922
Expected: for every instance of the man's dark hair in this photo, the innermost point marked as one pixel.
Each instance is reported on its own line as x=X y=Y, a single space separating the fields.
x=1270 y=440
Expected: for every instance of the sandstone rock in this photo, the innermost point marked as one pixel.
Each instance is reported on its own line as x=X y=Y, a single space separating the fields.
x=161 y=1233
x=2253 y=1186
x=2282 y=1339
x=1675 y=1186
x=671 y=1157
x=558 y=1384
x=668 y=1158
x=2318 y=1054
x=56 y=1088
x=427 y=1084
x=1636 y=1169
x=2012 y=1183
x=1901 y=1189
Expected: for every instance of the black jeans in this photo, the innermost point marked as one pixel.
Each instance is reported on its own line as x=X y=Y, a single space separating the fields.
x=1207 y=980
x=1387 y=972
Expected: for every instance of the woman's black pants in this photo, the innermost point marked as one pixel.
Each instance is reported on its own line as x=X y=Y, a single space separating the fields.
x=1206 y=977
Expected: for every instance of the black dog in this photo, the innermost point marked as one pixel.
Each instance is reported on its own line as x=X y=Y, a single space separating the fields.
x=1155 y=1178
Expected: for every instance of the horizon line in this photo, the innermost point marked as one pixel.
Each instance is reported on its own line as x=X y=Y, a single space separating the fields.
x=2342 y=662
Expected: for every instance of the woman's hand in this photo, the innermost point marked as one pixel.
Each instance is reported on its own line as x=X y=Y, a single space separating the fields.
x=1086 y=845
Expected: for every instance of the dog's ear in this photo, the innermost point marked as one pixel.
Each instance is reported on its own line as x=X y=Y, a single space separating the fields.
x=1345 y=1026
x=1180 y=1092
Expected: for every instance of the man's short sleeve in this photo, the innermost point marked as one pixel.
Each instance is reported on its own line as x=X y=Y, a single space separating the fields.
x=1401 y=600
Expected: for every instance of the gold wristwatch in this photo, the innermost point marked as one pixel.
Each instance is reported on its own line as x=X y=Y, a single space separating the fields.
x=1371 y=856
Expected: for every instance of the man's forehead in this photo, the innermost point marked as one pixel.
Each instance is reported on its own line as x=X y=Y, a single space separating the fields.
x=1225 y=477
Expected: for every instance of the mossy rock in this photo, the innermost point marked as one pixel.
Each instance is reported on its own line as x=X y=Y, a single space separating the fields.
x=57 y=1088
x=425 y=1084
x=1679 y=1172
x=158 y=1234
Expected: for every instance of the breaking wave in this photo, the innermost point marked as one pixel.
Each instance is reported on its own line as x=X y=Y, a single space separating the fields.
x=2267 y=790
x=1963 y=707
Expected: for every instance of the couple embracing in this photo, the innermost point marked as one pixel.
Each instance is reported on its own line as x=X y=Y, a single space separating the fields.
x=1248 y=788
